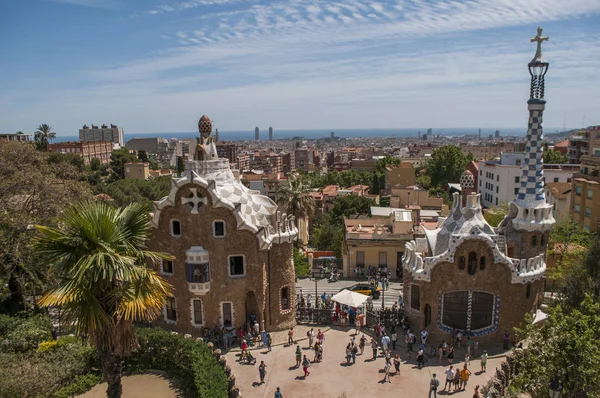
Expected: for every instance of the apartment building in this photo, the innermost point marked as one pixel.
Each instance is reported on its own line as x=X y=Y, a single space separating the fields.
x=103 y=133
x=87 y=150
x=586 y=184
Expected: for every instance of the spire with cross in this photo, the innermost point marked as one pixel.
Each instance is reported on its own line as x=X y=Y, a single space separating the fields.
x=539 y=39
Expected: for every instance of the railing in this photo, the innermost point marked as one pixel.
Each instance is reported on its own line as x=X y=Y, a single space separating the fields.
x=318 y=316
x=199 y=288
x=376 y=236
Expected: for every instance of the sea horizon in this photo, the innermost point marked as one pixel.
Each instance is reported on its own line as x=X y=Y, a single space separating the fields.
x=248 y=135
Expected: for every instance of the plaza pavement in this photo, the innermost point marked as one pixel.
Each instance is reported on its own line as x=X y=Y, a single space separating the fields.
x=332 y=378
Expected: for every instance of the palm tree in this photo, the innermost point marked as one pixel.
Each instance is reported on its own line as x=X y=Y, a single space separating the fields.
x=43 y=135
x=294 y=197
x=100 y=258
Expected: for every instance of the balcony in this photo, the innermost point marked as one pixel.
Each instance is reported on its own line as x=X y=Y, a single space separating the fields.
x=199 y=288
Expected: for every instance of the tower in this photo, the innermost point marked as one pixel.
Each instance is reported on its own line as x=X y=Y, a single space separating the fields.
x=479 y=135
x=530 y=218
x=217 y=135
x=270 y=133
x=256 y=134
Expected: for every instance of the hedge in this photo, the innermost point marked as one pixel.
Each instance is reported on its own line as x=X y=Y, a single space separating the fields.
x=188 y=361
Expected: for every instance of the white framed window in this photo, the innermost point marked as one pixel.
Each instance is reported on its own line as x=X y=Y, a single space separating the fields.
x=166 y=267
x=197 y=311
x=285 y=298
x=219 y=229
x=170 y=311
x=175 y=228
x=236 y=266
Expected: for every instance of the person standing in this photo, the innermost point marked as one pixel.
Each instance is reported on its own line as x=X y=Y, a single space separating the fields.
x=348 y=354
x=434 y=383
x=305 y=365
x=449 y=378
x=354 y=352
x=264 y=338
x=484 y=358
x=451 y=354
x=397 y=363
x=291 y=337
x=320 y=336
x=311 y=337
x=269 y=342
x=424 y=335
x=278 y=393
x=262 y=371
x=464 y=377
x=458 y=338
x=506 y=340
x=385 y=341
x=298 y=356
x=374 y=347
x=476 y=392
x=362 y=343
x=394 y=339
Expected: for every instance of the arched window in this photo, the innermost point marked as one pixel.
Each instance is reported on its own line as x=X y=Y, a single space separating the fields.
x=415 y=297
x=543 y=240
x=482 y=263
x=462 y=262
x=534 y=241
x=472 y=263
x=528 y=290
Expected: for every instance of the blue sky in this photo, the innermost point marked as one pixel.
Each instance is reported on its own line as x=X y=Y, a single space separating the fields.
x=156 y=66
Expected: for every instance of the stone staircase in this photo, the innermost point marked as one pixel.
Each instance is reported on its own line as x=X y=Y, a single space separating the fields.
x=501 y=242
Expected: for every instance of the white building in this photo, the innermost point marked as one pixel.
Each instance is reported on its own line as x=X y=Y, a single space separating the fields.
x=499 y=180
x=104 y=133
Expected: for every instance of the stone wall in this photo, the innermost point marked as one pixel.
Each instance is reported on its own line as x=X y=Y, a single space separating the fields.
x=280 y=268
x=197 y=230
x=494 y=279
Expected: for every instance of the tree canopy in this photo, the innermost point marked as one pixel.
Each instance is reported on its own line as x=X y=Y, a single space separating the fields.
x=126 y=192
x=43 y=135
x=295 y=197
x=344 y=179
x=554 y=157
x=446 y=165
x=117 y=162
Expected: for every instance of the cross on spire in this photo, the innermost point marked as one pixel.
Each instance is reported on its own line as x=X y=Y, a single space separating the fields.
x=195 y=200
x=539 y=39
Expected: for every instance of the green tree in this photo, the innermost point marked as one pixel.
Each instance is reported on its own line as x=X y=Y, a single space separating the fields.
x=378 y=183
x=566 y=345
x=124 y=192
x=100 y=258
x=350 y=205
x=117 y=162
x=180 y=166
x=495 y=215
x=554 y=157
x=95 y=164
x=32 y=191
x=142 y=156
x=295 y=197
x=43 y=135
x=446 y=165
x=301 y=266
x=70 y=158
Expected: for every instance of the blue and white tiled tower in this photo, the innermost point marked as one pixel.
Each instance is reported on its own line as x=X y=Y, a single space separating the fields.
x=530 y=217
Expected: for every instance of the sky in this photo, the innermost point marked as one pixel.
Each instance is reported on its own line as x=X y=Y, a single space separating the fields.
x=158 y=65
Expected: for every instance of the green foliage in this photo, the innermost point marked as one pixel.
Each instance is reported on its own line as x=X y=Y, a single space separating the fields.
x=180 y=165
x=79 y=385
x=142 y=156
x=23 y=333
x=69 y=158
x=95 y=164
x=446 y=165
x=378 y=181
x=300 y=263
x=43 y=135
x=125 y=192
x=186 y=360
x=344 y=179
x=117 y=161
x=554 y=157
x=566 y=345
x=495 y=215
x=294 y=197
x=350 y=205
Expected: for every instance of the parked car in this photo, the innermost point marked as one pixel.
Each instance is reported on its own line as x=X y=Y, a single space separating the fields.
x=364 y=288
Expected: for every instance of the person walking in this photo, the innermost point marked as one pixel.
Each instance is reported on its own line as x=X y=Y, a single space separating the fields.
x=374 y=347
x=464 y=377
x=305 y=366
x=506 y=340
x=354 y=352
x=484 y=358
x=269 y=342
x=434 y=383
x=291 y=337
x=385 y=341
x=320 y=336
x=278 y=393
x=441 y=353
x=451 y=354
x=362 y=343
x=456 y=381
x=420 y=358
x=476 y=393
x=262 y=371
x=408 y=342
x=449 y=378
x=298 y=356
x=397 y=364
x=264 y=338
x=424 y=335
x=386 y=370
x=394 y=339
x=348 y=354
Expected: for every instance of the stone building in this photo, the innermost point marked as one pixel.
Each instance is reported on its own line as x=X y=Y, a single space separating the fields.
x=88 y=150
x=469 y=276
x=232 y=250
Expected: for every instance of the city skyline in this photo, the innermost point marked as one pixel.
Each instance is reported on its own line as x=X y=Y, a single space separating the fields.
x=154 y=67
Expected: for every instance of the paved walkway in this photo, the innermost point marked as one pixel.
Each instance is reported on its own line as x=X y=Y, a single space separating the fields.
x=333 y=377
x=281 y=337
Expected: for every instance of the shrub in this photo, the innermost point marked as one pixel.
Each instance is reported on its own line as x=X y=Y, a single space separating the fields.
x=79 y=385
x=185 y=360
x=23 y=333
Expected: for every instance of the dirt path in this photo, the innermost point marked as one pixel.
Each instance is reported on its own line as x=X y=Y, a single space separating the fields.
x=138 y=386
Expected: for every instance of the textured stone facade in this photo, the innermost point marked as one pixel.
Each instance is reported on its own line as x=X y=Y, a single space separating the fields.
x=511 y=300
x=208 y=218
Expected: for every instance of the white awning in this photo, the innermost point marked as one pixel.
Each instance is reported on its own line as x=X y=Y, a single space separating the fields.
x=540 y=316
x=349 y=298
